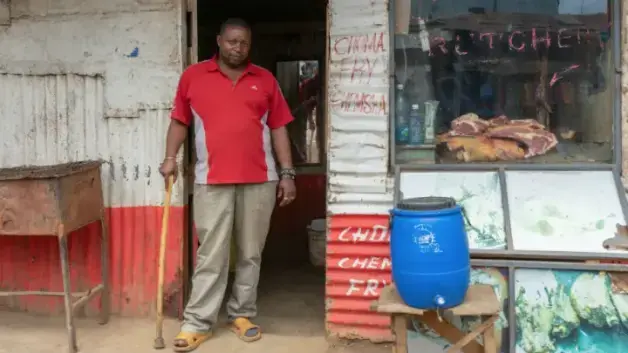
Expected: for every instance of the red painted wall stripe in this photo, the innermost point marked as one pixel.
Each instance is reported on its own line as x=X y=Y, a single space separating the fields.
x=358 y=267
x=32 y=263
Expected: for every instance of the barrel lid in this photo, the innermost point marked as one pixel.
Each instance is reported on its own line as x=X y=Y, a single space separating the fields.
x=428 y=203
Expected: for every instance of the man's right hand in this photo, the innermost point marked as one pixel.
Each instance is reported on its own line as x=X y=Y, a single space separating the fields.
x=168 y=167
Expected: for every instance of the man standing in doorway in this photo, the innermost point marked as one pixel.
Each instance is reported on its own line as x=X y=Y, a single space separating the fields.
x=239 y=115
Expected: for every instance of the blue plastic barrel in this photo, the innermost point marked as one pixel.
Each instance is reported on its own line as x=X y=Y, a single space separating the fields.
x=430 y=252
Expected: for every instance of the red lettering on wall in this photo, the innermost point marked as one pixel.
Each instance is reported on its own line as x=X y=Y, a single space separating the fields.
x=511 y=44
x=359 y=68
x=536 y=39
x=359 y=56
x=519 y=40
x=490 y=38
x=360 y=44
x=558 y=75
x=359 y=102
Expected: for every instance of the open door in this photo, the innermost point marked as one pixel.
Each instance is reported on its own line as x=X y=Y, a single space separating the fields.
x=292 y=45
x=190 y=57
x=192 y=32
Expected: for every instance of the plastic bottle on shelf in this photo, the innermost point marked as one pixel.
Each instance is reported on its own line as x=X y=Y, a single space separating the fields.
x=431 y=108
x=401 y=116
x=417 y=128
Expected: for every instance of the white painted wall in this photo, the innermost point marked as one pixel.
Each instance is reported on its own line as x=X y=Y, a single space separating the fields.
x=358 y=146
x=91 y=79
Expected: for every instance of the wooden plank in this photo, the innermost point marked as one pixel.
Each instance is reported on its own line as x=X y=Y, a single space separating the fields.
x=490 y=344
x=480 y=300
x=471 y=336
x=400 y=326
x=449 y=332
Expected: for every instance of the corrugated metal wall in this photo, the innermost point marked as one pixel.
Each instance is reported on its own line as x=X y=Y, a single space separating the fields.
x=358 y=107
x=48 y=119
x=358 y=267
x=359 y=192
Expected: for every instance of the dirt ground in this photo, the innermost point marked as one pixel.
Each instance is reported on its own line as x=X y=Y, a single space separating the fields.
x=292 y=314
x=21 y=333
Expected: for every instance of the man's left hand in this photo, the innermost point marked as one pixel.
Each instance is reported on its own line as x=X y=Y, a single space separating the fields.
x=286 y=191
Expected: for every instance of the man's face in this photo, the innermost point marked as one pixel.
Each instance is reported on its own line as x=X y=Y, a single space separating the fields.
x=234 y=44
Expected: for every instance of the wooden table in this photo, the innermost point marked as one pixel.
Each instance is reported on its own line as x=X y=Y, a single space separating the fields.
x=480 y=301
x=54 y=201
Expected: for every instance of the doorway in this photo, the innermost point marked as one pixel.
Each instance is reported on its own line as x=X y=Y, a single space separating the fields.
x=289 y=39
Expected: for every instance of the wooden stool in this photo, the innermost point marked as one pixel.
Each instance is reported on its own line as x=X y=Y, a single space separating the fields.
x=54 y=201
x=480 y=301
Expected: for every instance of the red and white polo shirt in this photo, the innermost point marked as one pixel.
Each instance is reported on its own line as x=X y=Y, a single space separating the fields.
x=232 y=122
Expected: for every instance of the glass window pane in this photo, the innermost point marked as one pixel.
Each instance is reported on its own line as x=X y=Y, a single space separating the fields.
x=551 y=211
x=505 y=81
x=478 y=193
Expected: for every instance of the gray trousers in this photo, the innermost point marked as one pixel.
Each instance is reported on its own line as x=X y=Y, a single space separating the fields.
x=220 y=211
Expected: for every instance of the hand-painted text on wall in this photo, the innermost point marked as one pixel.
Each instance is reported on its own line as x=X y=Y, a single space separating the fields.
x=371 y=258
x=521 y=41
x=356 y=60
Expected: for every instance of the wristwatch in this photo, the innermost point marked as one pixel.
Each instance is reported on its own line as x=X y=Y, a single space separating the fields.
x=288 y=173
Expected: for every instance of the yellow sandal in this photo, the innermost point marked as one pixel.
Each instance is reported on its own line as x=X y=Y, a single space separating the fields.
x=191 y=340
x=246 y=330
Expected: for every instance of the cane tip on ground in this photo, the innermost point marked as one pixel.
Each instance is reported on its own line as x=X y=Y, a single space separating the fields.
x=159 y=343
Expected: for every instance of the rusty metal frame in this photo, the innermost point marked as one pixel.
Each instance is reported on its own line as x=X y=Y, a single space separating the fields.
x=512 y=266
x=62 y=224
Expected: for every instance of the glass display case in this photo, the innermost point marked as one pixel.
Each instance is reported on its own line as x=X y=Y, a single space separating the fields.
x=503 y=81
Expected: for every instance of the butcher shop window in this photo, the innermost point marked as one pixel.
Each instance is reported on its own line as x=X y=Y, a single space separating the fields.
x=505 y=81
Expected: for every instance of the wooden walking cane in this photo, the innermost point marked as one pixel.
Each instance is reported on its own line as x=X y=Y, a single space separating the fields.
x=159 y=339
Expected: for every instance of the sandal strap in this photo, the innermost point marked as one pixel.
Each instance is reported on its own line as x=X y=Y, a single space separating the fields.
x=243 y=324
x=187 y=336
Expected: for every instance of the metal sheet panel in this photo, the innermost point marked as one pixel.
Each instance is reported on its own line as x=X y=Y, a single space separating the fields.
x=48 y=119
x=358 y=108
x=358 y=267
